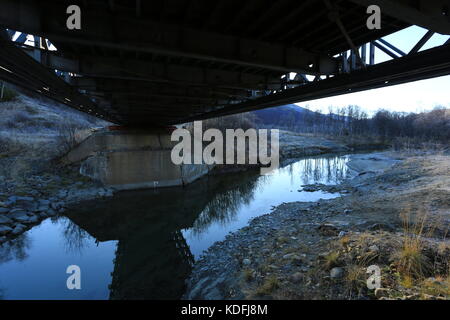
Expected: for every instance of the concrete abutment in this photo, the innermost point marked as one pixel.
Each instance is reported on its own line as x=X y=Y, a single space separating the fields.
x=132 y=159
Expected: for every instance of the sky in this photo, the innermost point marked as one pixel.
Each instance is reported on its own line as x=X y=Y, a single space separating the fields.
x=415 y=96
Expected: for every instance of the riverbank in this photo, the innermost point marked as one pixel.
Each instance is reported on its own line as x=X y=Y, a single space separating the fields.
x=34 y=185
x=393 y=213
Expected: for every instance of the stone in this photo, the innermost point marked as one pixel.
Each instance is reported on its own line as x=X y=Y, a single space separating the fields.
x=17 y=210
x=4 y=230
x=5 y=220
x=21 y=199
x=44 y=202
x=296 y=277
x=382 y=226
x=42 y=209
x=288 y=256
x=328 y=230
x=381 y=293
x=347 y=211
x=55 y=205
x=62 y=194
x=336 y=273
x=20 y=217
x=18 y=229
x=246 y=262
x=33 y=219
x=374 y=248
x=342 y=234
x=50 y=213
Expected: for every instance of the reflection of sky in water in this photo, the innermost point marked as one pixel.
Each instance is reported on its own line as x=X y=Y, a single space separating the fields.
x=281 y=186
x=41 y=274
x=34 y=265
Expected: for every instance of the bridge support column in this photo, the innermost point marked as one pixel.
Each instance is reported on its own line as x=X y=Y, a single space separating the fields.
x=132 y=159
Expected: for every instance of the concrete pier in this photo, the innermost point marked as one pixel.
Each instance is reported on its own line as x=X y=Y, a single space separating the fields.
x=132 y=159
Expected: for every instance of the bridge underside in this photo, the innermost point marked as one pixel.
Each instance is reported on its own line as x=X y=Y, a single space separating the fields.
x=155 y=63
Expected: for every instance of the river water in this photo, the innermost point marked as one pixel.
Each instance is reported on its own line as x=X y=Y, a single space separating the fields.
x=142 y=244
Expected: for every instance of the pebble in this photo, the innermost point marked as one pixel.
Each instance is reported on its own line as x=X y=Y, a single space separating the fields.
x=246 y=262
x=336 y=273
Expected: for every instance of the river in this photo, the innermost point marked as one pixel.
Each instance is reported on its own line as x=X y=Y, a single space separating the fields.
x=142 y=244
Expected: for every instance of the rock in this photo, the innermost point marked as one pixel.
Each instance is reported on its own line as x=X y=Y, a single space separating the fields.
x=20 y=217
x=4 y=230
x=381 y=293
x=336 y=273
x=288 y=256
x=328 y=230
x=21 y=199
x=29 y=206
x=5 y=220
x=44 y=202
x=50 y=213
x=347 y=211
x=42 y=209
x=374 y=248
x=55 y=205
x=296 y=277
x=33 y=219
x=341 y=234
x=382 y=226
x=246 y=262
x=62 y=194
x=18 y=229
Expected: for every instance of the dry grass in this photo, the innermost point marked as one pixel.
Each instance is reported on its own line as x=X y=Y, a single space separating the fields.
x=355 y=279
x=437 y=287
x=410 y=258
x=248 y=275
x=331 y=260
x=268 y=287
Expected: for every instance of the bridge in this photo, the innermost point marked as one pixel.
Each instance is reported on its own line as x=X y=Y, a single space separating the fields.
x=153 y=63
x=158 y=63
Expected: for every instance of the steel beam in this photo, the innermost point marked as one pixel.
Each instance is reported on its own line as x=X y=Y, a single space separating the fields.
x=423 y=65
x=159 y=38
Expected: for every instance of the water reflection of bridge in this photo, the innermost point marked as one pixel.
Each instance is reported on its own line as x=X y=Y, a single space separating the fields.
x=152 y=257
